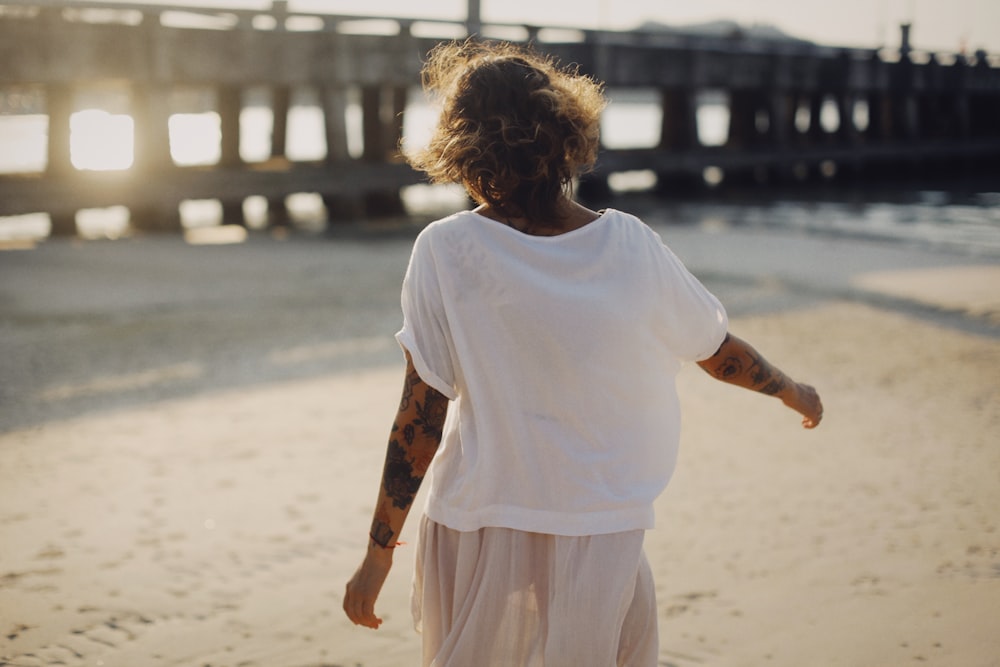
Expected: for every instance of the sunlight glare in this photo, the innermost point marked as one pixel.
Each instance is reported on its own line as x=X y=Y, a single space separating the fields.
x=256 y=125
x=101 y=141
x=306 y=139
x=24 y=143
x=195 y=138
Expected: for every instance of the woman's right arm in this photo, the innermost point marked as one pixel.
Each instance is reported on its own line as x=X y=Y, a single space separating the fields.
x=737 y=362
x=413 y=441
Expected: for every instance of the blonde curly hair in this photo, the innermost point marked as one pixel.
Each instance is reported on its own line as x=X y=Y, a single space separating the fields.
x=515 y=127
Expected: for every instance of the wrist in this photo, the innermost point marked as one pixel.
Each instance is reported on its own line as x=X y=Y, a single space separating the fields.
x=790 y=393
x=378 y=552
x=383 y=540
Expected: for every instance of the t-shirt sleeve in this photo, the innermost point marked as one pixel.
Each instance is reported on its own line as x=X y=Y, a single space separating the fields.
x=695 y=322
x=425 y=333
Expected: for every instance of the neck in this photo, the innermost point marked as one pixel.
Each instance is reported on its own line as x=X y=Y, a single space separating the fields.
x=571 y=215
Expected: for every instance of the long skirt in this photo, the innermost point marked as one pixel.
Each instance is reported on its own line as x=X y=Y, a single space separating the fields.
x=498 y=597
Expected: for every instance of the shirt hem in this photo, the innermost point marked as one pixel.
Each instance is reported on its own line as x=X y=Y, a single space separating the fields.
x=569 y=524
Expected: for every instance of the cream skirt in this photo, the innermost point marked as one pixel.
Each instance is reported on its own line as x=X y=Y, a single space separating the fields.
x=498 y=597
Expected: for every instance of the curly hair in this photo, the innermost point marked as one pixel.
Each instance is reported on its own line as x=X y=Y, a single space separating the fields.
x=515 y=127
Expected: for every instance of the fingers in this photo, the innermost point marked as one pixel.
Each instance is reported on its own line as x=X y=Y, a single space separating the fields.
x=812 y=420
x=810 y=406
x=362 y=591
x=361 y=610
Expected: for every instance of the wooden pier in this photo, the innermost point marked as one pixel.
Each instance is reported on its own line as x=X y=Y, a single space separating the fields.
x=924 y=111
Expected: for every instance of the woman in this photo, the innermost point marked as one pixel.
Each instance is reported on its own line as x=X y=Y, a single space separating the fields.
x=542 y=340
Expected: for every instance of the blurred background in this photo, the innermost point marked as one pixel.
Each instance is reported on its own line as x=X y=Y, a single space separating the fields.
x=291 y=113
x=204 y=223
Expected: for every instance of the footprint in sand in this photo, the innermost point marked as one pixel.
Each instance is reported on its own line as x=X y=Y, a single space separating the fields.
x=50 y=553
x=81 y=645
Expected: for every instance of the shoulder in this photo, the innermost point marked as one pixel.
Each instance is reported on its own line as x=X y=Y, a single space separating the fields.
x=632 y=228
x=447 y=228
x=447 y=241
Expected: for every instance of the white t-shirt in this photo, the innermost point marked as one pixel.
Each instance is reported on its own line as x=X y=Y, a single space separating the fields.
x=560 y=354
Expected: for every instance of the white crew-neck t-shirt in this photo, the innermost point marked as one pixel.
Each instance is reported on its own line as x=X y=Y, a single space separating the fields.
x=560 y=354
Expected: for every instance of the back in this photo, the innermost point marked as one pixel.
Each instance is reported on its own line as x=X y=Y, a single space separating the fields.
x=561 y=354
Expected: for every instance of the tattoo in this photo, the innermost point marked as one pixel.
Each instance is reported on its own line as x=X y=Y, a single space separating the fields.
x=431 y=415
x=412 y=444
x=401 y=484
x=381 y=532
x=760 y=371
x=730 y=367
x=773 y=387
x=748 y=365
x=766 y=379
x=411 y=380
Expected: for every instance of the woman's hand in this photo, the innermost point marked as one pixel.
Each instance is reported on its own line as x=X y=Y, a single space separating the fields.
x=804 y=400
x=365 y=585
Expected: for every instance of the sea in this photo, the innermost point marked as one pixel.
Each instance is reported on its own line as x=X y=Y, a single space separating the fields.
x=959 y=215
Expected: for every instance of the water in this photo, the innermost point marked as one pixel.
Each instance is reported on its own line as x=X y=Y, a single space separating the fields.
x=966 y=222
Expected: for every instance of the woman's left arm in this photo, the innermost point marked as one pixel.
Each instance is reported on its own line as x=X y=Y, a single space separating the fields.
x=413 y=441
x=736 y=362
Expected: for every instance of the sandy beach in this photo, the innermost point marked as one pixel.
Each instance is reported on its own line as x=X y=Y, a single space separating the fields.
x=191 y=439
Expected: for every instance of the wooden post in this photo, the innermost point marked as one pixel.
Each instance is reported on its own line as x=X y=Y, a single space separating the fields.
x=781 y=118
x=780 y=130
x=907 y=115
x=334 y=101
x=847 y=133
x=678 y=133
x=151 y=114
x=59 y=108
x=880 y=117
x=679 y=124
x=230 y=104
x=742 y=119
x=743 y=133
x=473 y=21
x=280 y=102
x=376 y=129
x=371 y=123
x=816 y=133
x=277 y=211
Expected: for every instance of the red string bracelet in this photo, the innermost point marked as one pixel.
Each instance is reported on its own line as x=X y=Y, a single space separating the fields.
x=386 y=546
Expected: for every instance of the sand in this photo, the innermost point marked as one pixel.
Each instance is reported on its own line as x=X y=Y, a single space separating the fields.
x=170 y=507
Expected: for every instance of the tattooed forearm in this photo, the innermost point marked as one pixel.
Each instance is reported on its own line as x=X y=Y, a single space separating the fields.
x=736 y=362
x=398 y=478
x=413 y=441
x=408 y=458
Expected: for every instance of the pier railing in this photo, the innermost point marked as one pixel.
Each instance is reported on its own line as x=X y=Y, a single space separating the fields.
x=923 y=111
